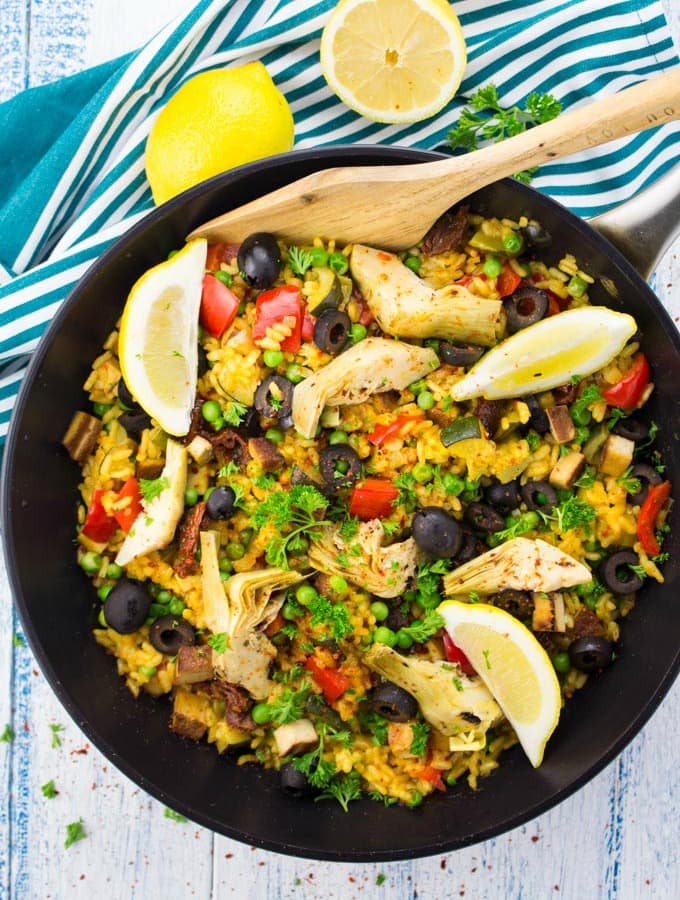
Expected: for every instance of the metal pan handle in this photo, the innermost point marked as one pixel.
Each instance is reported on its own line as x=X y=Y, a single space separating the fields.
x=645 y=226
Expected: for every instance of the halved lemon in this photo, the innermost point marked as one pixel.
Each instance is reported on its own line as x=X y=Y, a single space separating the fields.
x=393 y=60
x=158 y=342
x=544 y=355
x=514 y=667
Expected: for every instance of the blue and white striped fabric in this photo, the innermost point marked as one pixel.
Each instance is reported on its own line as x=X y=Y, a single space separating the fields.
x=80 y=181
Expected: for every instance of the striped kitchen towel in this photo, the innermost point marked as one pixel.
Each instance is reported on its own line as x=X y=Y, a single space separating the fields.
x=79 y=181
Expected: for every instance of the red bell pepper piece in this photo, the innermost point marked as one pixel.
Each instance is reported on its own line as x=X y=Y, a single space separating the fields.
x=384 y=433
x=99 y=525
x=275 y=305
x=455 y=655
x=508 y=281
x=220 y=253
x=126 y=514
x=553 y=304
x=308 y=320
x=332 y=682
x=219 y=306
x=434 y=776
x=372 y=499
x=365 y=314
x=649 y=513
x=628 y=392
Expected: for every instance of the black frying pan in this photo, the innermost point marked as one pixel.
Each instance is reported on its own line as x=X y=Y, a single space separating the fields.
x=55 y=599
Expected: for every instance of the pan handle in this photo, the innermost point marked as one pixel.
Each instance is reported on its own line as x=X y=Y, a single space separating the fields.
x=645 y=226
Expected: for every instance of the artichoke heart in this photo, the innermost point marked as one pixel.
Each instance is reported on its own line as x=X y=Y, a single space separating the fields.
x=384 y=571
x=251 y=601
x=457 y=706
x=405 y=305
x=522 y=564
x=370 y=367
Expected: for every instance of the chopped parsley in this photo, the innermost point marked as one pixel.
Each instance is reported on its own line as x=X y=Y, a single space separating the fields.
x=587 y=480
x=344 y=788
x=175 y=816
x=533 y=440
x=152 y=487
x=48 y=790
x=349 y=528
x=230 y=468
x=591 y=394
x=375 y=725
x=380 y=878
x=421 y=733
x=334 y=615
x=218 y=642
x=18 y=641
x=406 y=485
x=234 y=413
x=639 y=570
x=295 y=509
x=391 y=528
x=573 y=513
x=458 y=684
x=292 y=674
x=485 y=654
x=75 y=831
x=384 y=799
x=422 y=629
x=299 y=260
x=264 y=482
x=7 y=735
x=289 y=705
x=629 y=482
x=56 y=729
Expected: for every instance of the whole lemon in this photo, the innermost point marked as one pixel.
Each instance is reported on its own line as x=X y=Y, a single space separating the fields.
x=217 y=120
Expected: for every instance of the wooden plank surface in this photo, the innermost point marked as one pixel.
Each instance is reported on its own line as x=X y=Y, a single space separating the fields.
x=616 y=838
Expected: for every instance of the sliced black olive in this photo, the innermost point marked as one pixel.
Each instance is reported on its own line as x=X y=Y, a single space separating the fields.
x=134 y=422
x=646 y=475
x=539 y=420
x=339 y=465
x=616 y=572
x=518 y=603
x=489 y=413
x=539 y=495
x=202 y=362
x=294 y=783
x=590 y=653
x=537 y=236
x=251 y=426
x=470 y=548
x=631 y=429
x=503 y=496
x=484 y=518
x=274 y=397
x=221 y=503
x=436 y=532
x=459 y=354
x=286 y=422
x=259 y=259
x=127 y=401
x=393 y=703
x=331 y=331
x=127 y=606
x=525 y=307
x=169 y=633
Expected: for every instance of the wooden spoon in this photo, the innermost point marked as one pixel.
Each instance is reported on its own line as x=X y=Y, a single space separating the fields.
x=393 y=206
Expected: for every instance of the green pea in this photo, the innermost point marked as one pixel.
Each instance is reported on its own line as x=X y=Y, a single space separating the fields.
x=147 y=671
x=190 y=496
x=224 y=576
x=411 y=596
x=357 y=332
x=425 y=400
x=156 y=611
x=418 y=386
x=428 y=601
x=164 y=597
x=318 y=256
x=380 y=610
x=291 y=610
x=338 y=437
x=175 y=607
x=529 y=519
x=272 y=358
x=451 y=780
x=218 y=424
x=305 y=594
x=338 y=262
x=342 y=466
x=261 y=713
x=562 y=663
x=224 y=277
x=413 y=263
x=422 y=471
x=415 y=800
x=295 y=373
x=100 y=408
x=113 y=570
x=90 y=562
x=235 y=550
x=338 y=584
x=452 y=484
x=577 y=286
x=225 y=565
x=513 y=242
x=384 y=635
x=211 y=411
x=275 y=435
x=492 y=267
x=104 y=591
x=404 y=640
x=101 y=619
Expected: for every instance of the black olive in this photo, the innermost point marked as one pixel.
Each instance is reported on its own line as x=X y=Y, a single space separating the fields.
x=169 y=633
x=127 y=606
x=331 y=331
x=590 y=653
x=349 y=461
x=525 y=307
x=221 y=503
x=276 y=403
x=617 y=575
x=503 y=496
x=134 y=422
x=294 y=783
x=484 y=518
x=536 y=236
x=539 y=420
x=539 y=495
x=647 y=475
x=251 y=426
x=286 y=422
x=518 y=603
x=471 y=547
x=631 y=429
x=202 y=362
x=436 y=532
x=460 y=354
x=259 y=259
x=127 y=401
x=396 y=619
x=393 y=703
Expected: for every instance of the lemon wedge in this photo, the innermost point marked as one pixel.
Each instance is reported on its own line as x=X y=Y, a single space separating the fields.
x=393 y=60
x=158 y=342
x=514 y=667
x=544 y=355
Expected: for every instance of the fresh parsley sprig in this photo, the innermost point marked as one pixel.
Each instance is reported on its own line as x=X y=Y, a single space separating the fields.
x=422 y=629
x=299 y=260
x=152 y=487
x=293 y=513
x=289 y=705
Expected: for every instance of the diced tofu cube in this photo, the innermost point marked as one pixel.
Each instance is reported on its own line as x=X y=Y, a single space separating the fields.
x=200 y=450
x=190 y=715
x=295 y=737
x=616 y=456
x=568 y=470
x=194 y=664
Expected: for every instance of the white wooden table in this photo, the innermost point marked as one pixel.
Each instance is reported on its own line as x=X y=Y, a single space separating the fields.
x=616 y=838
